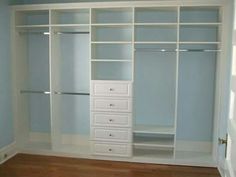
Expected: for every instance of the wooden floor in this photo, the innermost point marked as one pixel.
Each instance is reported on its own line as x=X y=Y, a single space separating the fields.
x=23 y=165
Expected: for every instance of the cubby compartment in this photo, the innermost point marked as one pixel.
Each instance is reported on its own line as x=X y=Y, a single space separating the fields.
x=114 y=33
x=156 y=153
x=27 y=18
x=110 y=52
x=155 y=33
x=153 y=140
x=34 y=87
x=36 y=120
x=71 y=55
x=197 y=77
x=200 y=14
x=112 y=15
x=71 y=115
x=200 y=33
x=70 y=16
x=34 y=54
x=156 y=15
x=111 y=71
x=155 y=105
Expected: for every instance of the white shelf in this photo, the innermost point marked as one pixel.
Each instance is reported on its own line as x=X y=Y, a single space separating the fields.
x=154 y=129
x=111 y=24
x=155 y=42
x=111 y=42
x=196 y=42
x=199 y=24
x=69 y=25
x=110 y=60
x=154 y=142
x=152 y=153
x=32 y=26
x=155 y=24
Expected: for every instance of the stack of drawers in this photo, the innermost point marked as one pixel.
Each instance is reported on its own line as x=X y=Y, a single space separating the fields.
x=111 y=118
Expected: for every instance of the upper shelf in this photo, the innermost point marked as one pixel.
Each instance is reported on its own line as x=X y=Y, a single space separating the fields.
x=32 y=18
x=200 y=14
x=72 y=16
x=112 y=15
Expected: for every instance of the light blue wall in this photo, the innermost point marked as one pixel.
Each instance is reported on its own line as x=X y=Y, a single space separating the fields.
x=6 y=121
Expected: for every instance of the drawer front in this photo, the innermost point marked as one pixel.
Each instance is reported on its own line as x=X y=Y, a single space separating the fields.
x=113 y=119
x=108 y=134
x=111 y=89
x=111 y=149
x=110 y=104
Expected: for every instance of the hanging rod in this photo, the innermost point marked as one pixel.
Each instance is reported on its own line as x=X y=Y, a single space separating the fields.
x=72 y=32
x=35 y=32
x=154 y=50
x=199 y=50
x=70 y=93
x=175 y=50
x=37 y=92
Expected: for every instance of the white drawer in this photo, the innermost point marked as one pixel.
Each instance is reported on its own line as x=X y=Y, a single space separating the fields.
x=111 y=119
x=111 y=104
x=111 y=149
x=111 y=134
x=107 y=88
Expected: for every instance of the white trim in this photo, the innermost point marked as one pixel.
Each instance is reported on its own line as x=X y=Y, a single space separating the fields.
x=7 y=152
x=118 y=4
x=194 y=146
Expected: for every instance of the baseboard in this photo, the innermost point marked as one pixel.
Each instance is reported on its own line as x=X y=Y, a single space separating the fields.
x=7 y=152
x=195 y=146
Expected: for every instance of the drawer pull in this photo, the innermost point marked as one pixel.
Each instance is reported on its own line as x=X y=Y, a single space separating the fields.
x=110 y=150
x=110 y=120
x=111 y=89
x=110 y=135
x=111 y=105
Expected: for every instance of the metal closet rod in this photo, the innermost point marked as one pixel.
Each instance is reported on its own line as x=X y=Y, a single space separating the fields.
x=70 y=93
x=59 y=32
x=57 y=93
x=33 y=91
x=175 y=50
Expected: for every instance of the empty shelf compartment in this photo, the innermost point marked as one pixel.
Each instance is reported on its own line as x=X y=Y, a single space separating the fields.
x=153 y=140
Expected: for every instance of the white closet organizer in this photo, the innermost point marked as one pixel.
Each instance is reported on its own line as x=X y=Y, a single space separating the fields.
x=128 y=81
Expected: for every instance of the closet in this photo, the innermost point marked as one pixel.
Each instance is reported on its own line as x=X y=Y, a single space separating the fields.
x=127 y=81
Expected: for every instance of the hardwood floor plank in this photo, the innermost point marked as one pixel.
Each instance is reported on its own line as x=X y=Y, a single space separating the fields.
x=23 y=165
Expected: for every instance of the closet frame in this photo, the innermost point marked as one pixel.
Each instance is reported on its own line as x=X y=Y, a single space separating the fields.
x=20 y=67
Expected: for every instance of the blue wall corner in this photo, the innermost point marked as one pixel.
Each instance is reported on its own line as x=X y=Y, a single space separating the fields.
x=6 y=120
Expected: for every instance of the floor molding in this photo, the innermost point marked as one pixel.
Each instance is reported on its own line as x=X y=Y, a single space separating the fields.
x=7 y=152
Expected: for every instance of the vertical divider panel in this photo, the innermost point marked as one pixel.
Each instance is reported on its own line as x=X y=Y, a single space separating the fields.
x=55 y=123
x=177 y=77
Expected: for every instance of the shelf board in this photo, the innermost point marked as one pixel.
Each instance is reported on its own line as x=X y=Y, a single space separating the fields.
x=155 y=42
x=146 y=129
x=154 y=142
x=110 y=60
x=155 y=24
x=32 y=26
x=152 y=153
x=197 y=42
x=70 y=25
x=200 y=24
x=111 y=24
x=111 y=42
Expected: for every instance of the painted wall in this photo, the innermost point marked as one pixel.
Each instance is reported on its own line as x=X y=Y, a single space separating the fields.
x=6 y=121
